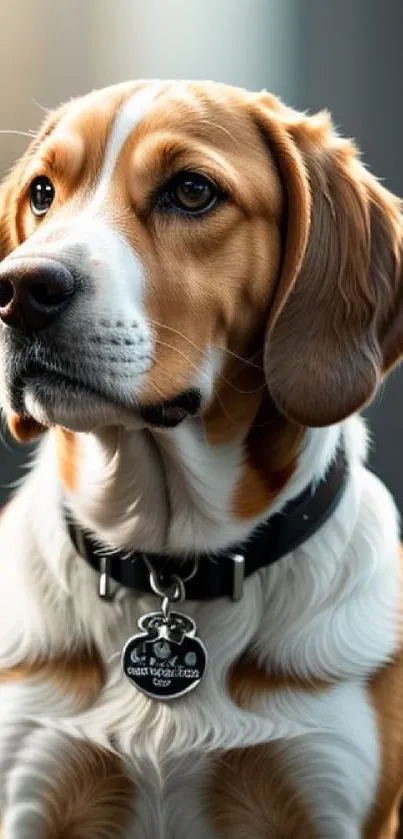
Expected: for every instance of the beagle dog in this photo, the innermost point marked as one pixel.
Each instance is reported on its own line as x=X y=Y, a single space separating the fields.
x=200 y=581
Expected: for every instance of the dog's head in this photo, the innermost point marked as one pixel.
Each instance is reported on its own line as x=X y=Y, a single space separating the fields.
x=154 y=234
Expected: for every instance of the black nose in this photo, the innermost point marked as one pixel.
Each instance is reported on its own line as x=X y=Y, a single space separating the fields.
x=34 y=292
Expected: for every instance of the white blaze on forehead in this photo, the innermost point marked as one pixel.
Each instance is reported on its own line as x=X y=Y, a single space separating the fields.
x=131 y=114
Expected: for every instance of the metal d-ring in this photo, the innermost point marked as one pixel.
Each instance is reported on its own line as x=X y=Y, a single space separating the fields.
x=176 y=580
x=193 y=572
x=174 y=592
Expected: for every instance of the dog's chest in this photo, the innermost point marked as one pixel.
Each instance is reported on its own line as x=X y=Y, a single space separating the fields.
x=196 y=762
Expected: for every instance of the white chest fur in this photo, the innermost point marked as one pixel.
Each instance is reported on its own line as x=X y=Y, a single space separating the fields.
x=327 y=611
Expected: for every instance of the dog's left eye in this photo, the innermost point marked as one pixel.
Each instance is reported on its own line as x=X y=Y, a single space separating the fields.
x=190 y=193
x=41 y=195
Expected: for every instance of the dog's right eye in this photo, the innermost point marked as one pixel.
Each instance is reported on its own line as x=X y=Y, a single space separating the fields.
x=41 y=195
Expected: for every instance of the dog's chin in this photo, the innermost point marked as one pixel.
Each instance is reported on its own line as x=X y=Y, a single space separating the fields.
x=76 y=408
x=51 y=399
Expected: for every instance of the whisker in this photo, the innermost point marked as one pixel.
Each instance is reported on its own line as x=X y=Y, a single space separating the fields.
x=220 y=128
x=41 y=107
x=159 y=391
x=243 y=392
x=204 y=351
x=231 y=420
x=30 y=134
x=182 y=355
x=204 y=373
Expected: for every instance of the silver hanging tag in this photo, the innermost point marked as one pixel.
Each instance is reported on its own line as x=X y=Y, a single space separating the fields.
x=165 y=660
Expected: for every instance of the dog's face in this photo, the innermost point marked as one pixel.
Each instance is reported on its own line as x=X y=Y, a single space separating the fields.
x=143 y=248
x=155 y=230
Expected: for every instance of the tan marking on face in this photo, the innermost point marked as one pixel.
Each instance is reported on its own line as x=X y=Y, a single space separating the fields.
x=64 y=154
x=70 y=151
x=250 y=795
x=80 y=674
x=67 y=457
x=24 y=429
x=92 y=795
x=385 y=691
x=247 y=682
x=208 y=278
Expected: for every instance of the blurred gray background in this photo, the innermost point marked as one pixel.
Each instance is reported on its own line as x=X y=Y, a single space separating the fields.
x=345 y=55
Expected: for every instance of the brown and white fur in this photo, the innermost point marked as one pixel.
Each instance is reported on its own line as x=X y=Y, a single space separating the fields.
x=283 y=306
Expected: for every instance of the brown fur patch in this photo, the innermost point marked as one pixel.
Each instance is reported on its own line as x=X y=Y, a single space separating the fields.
x=67 y=457
x=237 y=398
x=250 y=795
x=92 y=795
x=242 y=406
x=271 y=457
x=386 y=696
x=80 y=675
x=25 y=429
x=247 y=682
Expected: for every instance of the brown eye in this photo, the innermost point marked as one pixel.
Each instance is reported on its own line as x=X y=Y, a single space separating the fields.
x=190 y=193
x=41 y=195
x=193 y=193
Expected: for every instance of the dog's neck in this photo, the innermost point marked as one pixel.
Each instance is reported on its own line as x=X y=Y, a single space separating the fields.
x=114 y=484
x=177 y=491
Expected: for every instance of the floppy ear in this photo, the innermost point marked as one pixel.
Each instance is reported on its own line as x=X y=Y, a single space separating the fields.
x=8 y=189
x=336 y=317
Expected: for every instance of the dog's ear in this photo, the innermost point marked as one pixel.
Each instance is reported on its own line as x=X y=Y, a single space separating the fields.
x=8 y=192
x=336 y=316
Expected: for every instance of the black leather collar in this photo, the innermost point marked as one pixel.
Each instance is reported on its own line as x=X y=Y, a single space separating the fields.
x=221 y=574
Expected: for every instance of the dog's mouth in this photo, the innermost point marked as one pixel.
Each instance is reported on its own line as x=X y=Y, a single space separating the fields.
x=54 y=393
x=172 y=412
